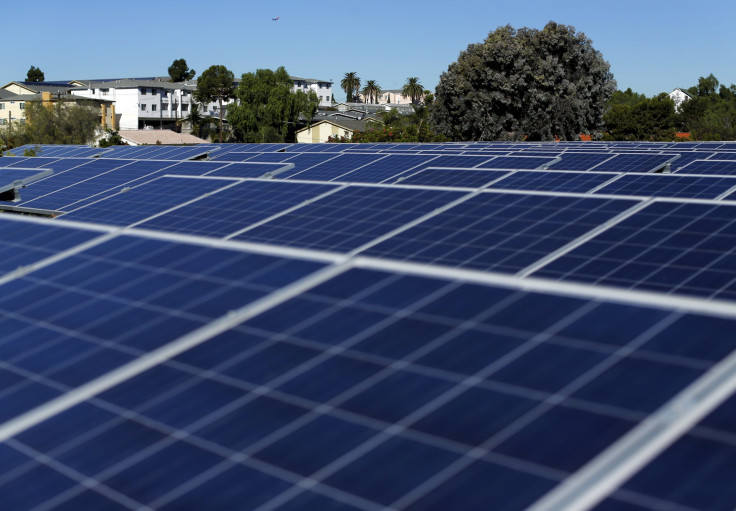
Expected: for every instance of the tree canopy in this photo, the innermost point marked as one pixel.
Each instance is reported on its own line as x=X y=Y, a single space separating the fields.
x=215 y=84
x=35 y=75
x=413 y=89
x=524 y=84
x=371 y=91
x=63 y=122
x=268 y=109
x=179 y=71
x=350 y=84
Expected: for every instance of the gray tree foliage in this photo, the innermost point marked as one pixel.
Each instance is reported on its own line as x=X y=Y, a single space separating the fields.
x=524 y=84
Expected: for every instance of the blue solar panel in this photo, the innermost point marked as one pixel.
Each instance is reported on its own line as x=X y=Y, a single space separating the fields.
x=580 y=161
x=669 y=185
x=550 y=181
x=194 y=168
x=384 y=169
x=723 y=167
x=235 y=208
x=27 y=242
x=250 y=170
x=334 y=167
x=668 y=247
x=452 y=177
x=499 y=232
x=456 y=415
x=145 y=200
x=517 y=162
x=305 y=162
x=349 y=218
x=217 y=378
x=11 y=178
x=635 y=163
x=64 y=194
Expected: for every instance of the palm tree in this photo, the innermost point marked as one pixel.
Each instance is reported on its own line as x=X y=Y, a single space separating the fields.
x=413 y=89
x=350 y=84
x=371 y=91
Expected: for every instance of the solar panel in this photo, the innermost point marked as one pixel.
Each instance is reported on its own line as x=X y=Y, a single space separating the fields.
x=146 y=200
x=452 y=177
x=727 y=167
x=499 y=231
x=518 y=162
x=384 y=169
x=15 y=177
x=669 y=247
x=349 y=218
x=669 y=185
x=340 y=406
x=635 y=163
x=334 y=167
x=63 y=194
x=251 y=169
x=550 y=181
x=371 y=347
x=237 y=207
x=579 y=161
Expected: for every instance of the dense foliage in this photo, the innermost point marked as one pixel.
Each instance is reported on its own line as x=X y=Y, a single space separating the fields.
x=633 y=116
x=62 y=122
x=711 y=113
x=179 y=71
x=268 y=109
x=350 y=83
x=35 y=75
x=524 y=84
x=215 y=84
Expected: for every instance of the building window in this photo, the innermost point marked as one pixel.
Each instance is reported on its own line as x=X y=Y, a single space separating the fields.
x=3 y=122
x=143 y=107
x=2 y=106
x=153 y=108
x=22 y=106
x=184 y=107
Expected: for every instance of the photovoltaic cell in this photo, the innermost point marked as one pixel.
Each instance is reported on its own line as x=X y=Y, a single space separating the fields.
x=143 y=201
x=235 y=208
x=362 y=415
x=334 y=167
x=669 y=185
x=634 y=163
x=64 y=197
x=452 y=177
x=348 y=218
x=499 y=232
x=669 y=247
x=384 y=169
x=722 y=167
x=579 y=161
x=248 y=170
x=550 y=181
x=517 y=162
x=25 y=243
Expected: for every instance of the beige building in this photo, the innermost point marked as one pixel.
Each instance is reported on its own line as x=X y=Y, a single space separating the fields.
x=323 y=129
x=15 y=95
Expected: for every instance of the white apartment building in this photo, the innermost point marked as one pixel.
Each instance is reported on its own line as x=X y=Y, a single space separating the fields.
x=323 y=88
x=140 y=103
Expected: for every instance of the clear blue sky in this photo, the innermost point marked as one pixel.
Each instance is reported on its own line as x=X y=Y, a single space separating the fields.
x=651 y=46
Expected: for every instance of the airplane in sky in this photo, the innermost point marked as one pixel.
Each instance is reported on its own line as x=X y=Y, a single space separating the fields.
x=276 y=18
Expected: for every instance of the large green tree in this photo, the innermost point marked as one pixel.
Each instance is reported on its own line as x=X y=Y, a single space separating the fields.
x=524 y=84
x=267 y=107
x=711 y=113
x=179 y=71
x=350 y=83
x=63 y=122
x=413 y=89
x=35 y=75
x=641 y=118
x=216 y=83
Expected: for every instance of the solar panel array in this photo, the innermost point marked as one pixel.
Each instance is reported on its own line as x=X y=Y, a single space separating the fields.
x=383 y=326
